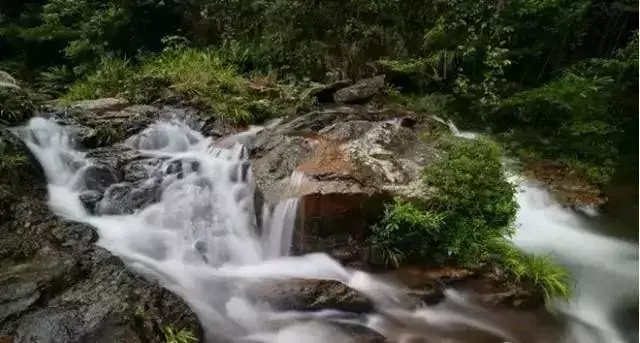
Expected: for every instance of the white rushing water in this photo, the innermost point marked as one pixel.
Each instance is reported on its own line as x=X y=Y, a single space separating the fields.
x=604 y=269
x=201 y=240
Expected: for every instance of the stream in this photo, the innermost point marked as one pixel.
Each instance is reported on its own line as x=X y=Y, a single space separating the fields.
x=604 y=267
x=201 y=240
x=592 y=246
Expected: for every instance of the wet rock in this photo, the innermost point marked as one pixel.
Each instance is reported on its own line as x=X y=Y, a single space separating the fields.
x=343 y=172
x=324 y=93
x=90 y=199
x=25 y=166
x=344 y=131
x=307 y=295
x=99 y=177
x=17 y=298
x=100 y=105
x=115 y=157
x=99 y=126
x=57 y=286
x=140 y=169
x=272 y=171
x=24 y=284
x=336 y=221
x=408 y=122
x=148 y=193
x=115 y=200
x=361 y=91
x=487 y=287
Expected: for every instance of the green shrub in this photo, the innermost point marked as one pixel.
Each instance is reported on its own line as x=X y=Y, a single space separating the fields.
x=472 y=194
x=17 y=104
x=203 y=77
x=407 y=233
x=471 y=202
x=422 y=105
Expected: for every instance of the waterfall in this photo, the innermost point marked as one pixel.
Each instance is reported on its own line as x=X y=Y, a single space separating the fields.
x=197 y=235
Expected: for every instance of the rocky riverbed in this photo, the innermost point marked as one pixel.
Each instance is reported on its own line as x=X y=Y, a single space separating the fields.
x=345 y=159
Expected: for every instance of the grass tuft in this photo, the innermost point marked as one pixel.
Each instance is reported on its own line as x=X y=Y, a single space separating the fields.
x=171 y=335
x=550 y=278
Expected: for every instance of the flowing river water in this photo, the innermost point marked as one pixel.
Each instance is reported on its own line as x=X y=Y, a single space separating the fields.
x=202 y=241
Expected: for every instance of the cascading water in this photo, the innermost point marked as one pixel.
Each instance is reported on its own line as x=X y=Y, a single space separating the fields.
x=200 y=239
x=604 y=269
x=204 y=217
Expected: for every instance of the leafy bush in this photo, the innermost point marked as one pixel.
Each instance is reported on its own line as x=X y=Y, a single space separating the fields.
x=112 y=77
x=472 y=194
x=471 y=203
x=16 y=103
x=422 y=105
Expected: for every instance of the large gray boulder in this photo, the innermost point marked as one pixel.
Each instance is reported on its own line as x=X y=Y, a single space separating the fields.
x=360 y=92
x=344 y=163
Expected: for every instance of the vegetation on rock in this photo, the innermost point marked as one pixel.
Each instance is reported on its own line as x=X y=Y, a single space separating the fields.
x=200 y=76
x=468 y=221
x=172 y=335
x=16 y=103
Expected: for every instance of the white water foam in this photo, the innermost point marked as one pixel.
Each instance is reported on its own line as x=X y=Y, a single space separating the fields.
x=200 y=240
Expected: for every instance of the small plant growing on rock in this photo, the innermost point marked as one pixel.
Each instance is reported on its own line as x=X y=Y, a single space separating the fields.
x=550 y=278
x=171 y=335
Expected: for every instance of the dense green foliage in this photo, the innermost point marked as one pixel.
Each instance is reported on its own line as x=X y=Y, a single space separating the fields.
x=407 y=232
x=581 y=118
x=471 y=203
